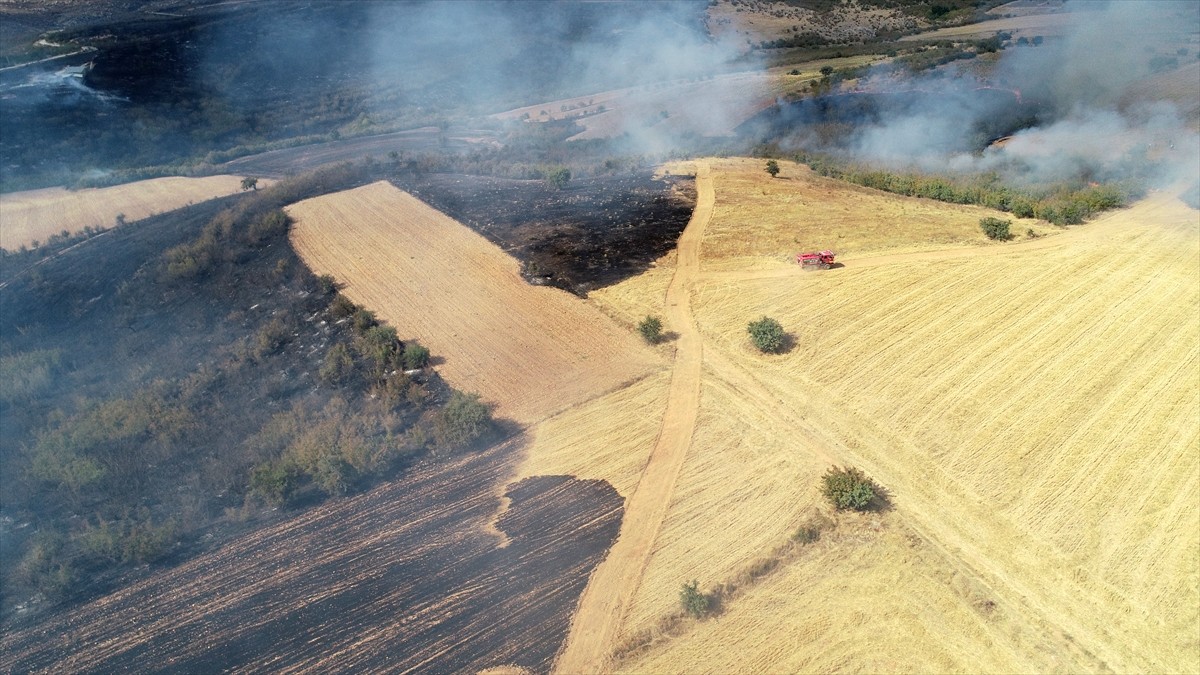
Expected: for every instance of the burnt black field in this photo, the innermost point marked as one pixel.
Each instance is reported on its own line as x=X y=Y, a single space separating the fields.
x=595 y=232
x=406 y=577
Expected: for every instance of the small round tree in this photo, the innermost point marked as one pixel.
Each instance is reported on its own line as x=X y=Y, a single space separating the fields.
x=772 y=167
x=651 y=329
x=995 y=228
x=767 y=335
x=848 y=488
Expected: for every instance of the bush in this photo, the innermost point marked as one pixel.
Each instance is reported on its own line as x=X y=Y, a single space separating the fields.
x=464 y=420
x=694 y=602
x=558 y=177
x=772 y=167
x=275 y=482
x=651 y=329
x=767 y=335
x=341 y=307
x=415 y=356
x=995 y=228
x=848 y=488
x=338 y=365
x=327 y=284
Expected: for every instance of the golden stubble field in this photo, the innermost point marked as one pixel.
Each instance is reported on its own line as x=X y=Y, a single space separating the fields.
x=35 y=215
x=531 y=351
x=1031 y=407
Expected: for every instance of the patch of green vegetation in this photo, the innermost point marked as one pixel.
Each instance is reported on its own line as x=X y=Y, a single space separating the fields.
x=164 y=402
x=767 y=335
x=1067 y=202
x=849 y=488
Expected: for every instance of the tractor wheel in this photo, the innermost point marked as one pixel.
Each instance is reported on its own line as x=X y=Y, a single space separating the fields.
x=824 y=266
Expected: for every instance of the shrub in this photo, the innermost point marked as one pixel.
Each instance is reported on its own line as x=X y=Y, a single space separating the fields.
x=995 y=228
x=848 y=488
x=651 y=329
x=767 y=335
x=338 y=365
x=267 y=226
x=464 y=420
x=327 y=284
x=364 y=319
x=341 y=307
x=558 y=177
x=772 y=168
x=694 y=602
x=807 y=534
x=275 y=482
x=415 y=356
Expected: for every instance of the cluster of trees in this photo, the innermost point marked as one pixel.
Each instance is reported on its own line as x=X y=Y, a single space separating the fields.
x=1063 y=203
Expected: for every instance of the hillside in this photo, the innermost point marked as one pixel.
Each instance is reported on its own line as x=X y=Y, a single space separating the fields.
x=947 y=375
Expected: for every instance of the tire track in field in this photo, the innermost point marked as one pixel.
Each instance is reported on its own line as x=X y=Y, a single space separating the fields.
x=610 y=592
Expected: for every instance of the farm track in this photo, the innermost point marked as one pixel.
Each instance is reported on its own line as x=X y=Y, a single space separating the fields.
x=609 y=594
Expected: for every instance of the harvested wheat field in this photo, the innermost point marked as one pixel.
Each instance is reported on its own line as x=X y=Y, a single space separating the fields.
x=761 y=221
x=35 y=215
x=1030 y=407
x=531 y=351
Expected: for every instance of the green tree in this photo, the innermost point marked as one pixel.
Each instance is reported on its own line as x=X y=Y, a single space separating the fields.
x=826 y=71
x=767 y=335
x=558 y=177
x=693 y=601
x=772 y=168
x=249 y=183
x=651 y=329
x=848 y=488
x=995 y=228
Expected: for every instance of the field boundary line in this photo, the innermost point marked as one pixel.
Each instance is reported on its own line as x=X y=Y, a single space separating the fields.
x=610 y=591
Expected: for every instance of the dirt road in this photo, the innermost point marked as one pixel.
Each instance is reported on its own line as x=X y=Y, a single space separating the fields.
x=608 y=596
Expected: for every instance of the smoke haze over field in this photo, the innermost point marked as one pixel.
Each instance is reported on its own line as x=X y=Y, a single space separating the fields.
x=1080 y=87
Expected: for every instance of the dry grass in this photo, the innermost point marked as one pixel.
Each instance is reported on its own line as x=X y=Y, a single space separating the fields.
x=531 y=351
x=761 y=222
x=609 y=438
x=869 y=596
x=1033 y=412
x=1031 y=407
x=35 y=215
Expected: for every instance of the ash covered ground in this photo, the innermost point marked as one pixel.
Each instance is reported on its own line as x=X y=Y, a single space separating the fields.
x=595 y=232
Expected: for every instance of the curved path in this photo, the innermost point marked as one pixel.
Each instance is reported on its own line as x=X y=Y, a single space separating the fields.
x=610 y=592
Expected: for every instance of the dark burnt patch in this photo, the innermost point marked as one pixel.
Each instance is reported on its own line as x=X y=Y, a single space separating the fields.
x=595 y=232
x=406 y=577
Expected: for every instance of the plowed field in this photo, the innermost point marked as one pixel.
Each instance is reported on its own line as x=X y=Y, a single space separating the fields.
x=34 y=215
x=531 y=351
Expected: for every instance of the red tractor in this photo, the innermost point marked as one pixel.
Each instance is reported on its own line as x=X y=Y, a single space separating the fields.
x=820 y=260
